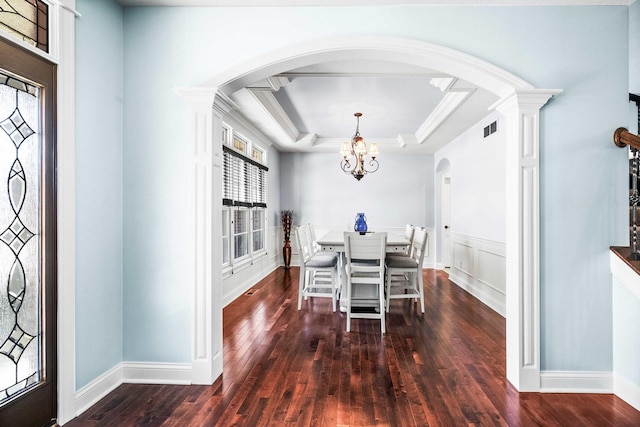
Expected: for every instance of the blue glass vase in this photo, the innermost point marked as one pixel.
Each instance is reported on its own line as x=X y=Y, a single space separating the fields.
x=361 y=223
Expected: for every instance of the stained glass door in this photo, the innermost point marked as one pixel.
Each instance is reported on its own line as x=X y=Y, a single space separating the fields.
x=27 y=239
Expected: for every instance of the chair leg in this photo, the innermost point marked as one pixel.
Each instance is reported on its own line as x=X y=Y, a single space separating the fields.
x=387 y=287
x=348 y=305
x=334 y=290
x=303 y=275
x=421 y=290
x=382 y=310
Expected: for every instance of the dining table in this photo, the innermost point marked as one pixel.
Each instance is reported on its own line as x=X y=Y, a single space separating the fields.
x=333 y=241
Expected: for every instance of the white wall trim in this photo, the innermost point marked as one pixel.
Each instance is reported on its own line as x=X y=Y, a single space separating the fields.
x=91 y=393
x=521 y=111
x=627 y=391
x=625 y=274
x=207 y=107
x=130 y=373
x=156 y=373
x=63 y=42
x=259 y=270
x=576 y=382
x=471 y=270
x=622 y=387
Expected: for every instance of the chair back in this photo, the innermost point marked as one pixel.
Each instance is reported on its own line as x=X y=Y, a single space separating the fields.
x=302 y=235
x=365 y=247
x=419 y=245
x=313 y=241
x=409 y=230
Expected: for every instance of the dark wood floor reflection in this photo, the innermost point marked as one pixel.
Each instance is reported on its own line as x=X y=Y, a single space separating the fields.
x=282 y=366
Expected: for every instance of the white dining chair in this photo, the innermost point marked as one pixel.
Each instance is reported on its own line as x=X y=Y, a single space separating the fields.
x=365 y=255
x=318 y=272
x=404 y=274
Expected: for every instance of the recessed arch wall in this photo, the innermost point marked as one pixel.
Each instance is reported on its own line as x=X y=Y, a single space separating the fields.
x=520 y=104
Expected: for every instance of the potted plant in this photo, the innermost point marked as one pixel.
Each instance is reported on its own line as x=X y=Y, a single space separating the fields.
x=287 y=222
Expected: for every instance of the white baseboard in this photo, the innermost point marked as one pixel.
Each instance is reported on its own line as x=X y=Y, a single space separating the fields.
x=627 y=391
x=88 y=395
x=600 y=382
x=248 y=278
x=497 y=305
x=131 y=373
x=156 y=373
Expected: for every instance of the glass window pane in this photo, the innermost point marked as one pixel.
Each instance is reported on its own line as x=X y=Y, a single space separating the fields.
x=26 y=20
x=21 y=296
x=225 y=236
x=258 y=230
x=239 y=144
x=256 y=155
x=241 y=233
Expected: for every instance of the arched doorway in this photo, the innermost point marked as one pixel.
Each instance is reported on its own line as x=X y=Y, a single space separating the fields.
x=520 y=104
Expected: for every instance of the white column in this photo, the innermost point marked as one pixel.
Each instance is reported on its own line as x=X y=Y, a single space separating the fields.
x=62 y=45
x=522 y=127
x=208 y=108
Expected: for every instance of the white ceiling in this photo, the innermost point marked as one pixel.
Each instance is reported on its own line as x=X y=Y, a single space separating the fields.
x=404 y=108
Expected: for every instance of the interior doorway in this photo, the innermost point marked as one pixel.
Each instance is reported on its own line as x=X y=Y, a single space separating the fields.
x=520 y=104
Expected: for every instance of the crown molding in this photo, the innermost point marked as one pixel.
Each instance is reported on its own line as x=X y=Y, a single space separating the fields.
x=351 y=3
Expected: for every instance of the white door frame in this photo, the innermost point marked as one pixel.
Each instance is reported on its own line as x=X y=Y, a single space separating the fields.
x=519 y=102
x=445 y=218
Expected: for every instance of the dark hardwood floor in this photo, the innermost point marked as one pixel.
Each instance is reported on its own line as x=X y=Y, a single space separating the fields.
x=300 y=368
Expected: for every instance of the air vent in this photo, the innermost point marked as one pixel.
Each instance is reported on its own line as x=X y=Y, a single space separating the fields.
x=250 y=292
x=492 y=128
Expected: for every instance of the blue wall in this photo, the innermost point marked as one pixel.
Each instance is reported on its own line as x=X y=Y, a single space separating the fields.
x=582 y=50
x=99 y=279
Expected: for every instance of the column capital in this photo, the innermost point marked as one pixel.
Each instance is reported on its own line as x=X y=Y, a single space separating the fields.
x=529 y=99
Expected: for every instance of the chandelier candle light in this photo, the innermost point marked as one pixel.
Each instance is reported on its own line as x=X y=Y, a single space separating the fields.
x=358 y=150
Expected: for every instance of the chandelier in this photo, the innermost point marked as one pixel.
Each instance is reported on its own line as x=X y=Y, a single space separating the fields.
x=358 y=150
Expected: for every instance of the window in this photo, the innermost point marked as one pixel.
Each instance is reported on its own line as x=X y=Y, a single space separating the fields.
x=257 y=154
x=239 y=144
x=240 y=232
x=225 y=236
x=244 y=197
x=258 y=229
x=26 y=20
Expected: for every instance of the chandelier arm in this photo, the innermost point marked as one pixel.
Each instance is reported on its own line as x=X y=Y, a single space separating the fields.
x=374 y=164
x=346 y=166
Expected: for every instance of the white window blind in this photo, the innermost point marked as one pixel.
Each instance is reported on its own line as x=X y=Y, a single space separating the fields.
x=244 y=181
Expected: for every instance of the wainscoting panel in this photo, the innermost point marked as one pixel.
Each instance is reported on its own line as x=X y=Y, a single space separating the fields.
x=478 y=266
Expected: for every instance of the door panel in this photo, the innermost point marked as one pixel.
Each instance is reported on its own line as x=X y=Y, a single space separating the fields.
x=446 y=221
x=28 y=377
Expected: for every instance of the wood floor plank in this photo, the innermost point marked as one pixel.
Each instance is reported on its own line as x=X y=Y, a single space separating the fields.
x=285 y=367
